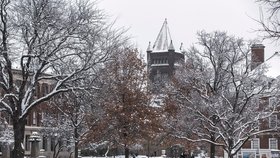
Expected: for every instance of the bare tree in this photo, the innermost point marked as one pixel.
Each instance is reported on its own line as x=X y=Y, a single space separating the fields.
x=71 y=117
x=48 y=41
x=216 y=92
x=271 y=24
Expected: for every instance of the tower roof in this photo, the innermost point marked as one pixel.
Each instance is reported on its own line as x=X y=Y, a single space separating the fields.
x=163 y=39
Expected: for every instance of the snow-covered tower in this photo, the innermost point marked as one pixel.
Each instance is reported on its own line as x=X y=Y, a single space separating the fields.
x=162 y=57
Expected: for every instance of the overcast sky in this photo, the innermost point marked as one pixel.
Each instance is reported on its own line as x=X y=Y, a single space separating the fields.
x=144 y=19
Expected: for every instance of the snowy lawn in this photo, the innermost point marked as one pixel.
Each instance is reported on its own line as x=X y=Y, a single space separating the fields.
x=122 y=156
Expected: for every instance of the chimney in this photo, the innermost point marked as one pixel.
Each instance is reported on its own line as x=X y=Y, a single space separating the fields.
x=257 y=55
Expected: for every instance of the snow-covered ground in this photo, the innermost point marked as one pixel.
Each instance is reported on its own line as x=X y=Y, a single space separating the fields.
x=122 y=156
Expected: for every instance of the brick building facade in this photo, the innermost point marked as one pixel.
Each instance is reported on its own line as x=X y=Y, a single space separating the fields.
x=47 y=144
x=265 y=145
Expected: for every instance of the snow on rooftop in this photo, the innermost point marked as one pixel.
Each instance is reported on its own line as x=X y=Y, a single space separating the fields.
x=163 y=39
x=273 y=65
x=164 y=64
x=163 y=42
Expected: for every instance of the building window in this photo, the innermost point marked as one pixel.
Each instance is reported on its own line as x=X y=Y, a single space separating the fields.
x=38 y=119
x=34 y=118
x=271 y=102
x=45 y=143
x=45 y=89
x=255 y=143
x=273 y=121
x=273 y=143
x=27 y=143
x=160 y=61
x=43 y=114
x=155 y=61
x=37 y=92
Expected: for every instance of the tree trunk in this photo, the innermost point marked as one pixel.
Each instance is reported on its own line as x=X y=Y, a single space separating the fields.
x=230 y=155
x=18 y=128
x=126 y=151
x=230 y=147
x=212 y=150
x=76 y=134
x=212 y=147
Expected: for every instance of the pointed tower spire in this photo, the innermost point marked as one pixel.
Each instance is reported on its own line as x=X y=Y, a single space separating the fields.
x=163 y=39
x=149 y=49
x=171 y=47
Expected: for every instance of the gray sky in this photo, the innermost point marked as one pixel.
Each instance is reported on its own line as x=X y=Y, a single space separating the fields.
x=144 y=19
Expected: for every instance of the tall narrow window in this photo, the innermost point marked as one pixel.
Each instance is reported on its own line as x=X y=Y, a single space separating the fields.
x=34 y=120
x=255 y=143
x=37 y=92
x=27 y=143
x=273 y=121
x=273 y=143
x=38 y=119
x=45 y=88
x=27 y=122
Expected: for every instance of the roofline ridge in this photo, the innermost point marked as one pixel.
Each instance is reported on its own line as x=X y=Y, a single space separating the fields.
x=276 y=53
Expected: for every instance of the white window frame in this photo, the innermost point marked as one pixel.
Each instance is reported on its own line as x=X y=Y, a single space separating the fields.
x=42 y=116
x=272 y=117
x=255 y=140
x=34 y=118
x=273 y=139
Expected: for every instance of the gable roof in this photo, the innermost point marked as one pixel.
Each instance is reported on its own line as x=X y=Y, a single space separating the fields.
x=273 y=66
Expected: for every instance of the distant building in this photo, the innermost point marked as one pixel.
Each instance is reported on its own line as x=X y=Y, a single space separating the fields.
x=47 y=144
x=162 y=57
x=265 y=145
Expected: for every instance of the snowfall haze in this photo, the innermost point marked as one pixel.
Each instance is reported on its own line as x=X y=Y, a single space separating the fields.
x=144 y=19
